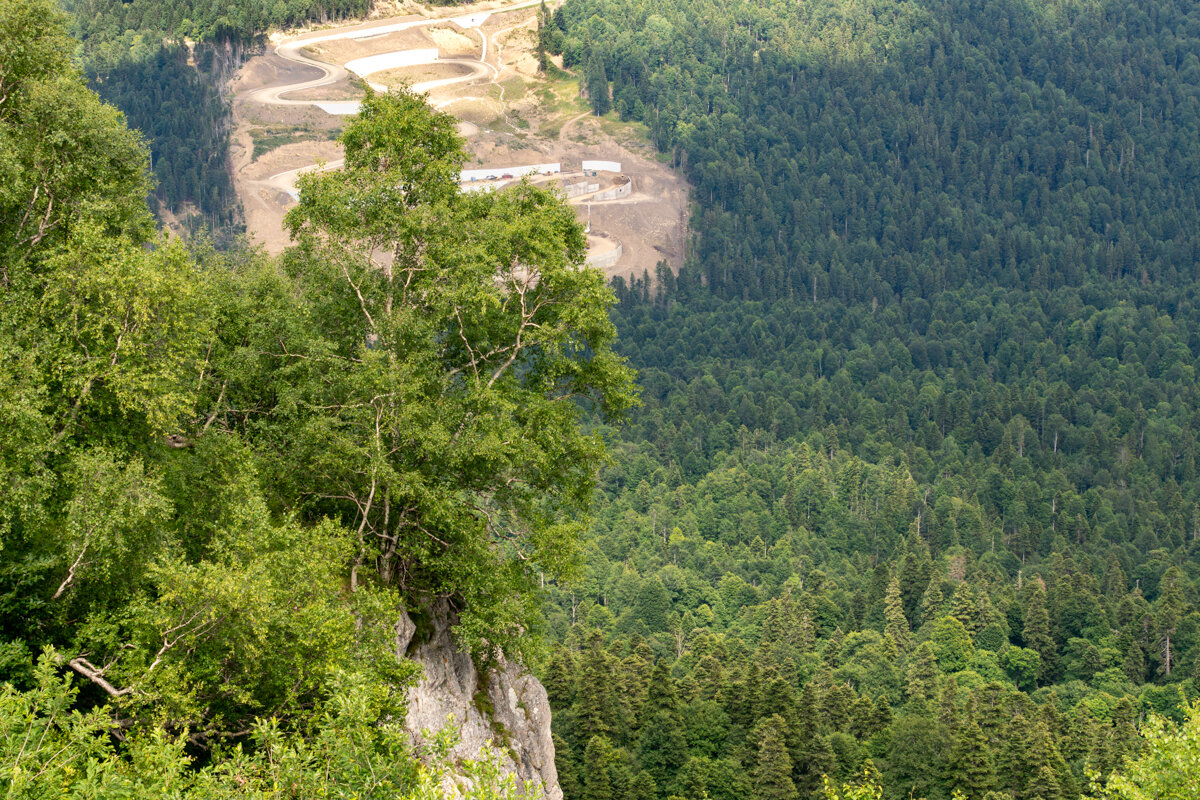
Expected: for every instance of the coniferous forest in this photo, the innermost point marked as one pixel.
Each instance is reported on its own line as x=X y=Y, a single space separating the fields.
x=914 y=489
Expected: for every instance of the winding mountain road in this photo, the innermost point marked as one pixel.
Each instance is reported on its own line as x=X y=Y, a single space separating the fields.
x=477 y=70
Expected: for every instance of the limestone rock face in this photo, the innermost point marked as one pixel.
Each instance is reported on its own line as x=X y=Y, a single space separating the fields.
x=507 y=706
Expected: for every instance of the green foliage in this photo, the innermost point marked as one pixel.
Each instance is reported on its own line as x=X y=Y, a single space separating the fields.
x=951 y=644
x=597 y=85
x=355 y=752
x=772 y=776
x=226 y=477
x=866 y=788
x=1168 y=768
x=431 y=397
x=927 y=373
x=884 y=148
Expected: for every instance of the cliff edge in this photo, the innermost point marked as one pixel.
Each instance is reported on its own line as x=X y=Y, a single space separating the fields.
x=507 y=706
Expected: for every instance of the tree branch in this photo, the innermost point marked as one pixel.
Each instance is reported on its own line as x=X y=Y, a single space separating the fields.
x=62 y=587
x=96 y=676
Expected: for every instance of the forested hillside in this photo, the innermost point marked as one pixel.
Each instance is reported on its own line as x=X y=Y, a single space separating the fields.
x=914 y=487
x=860 y=150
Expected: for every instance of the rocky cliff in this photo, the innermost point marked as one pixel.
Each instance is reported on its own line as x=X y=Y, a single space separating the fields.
x=505 y=706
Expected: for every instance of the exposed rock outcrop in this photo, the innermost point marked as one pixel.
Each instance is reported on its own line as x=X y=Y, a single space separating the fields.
x=506 y=706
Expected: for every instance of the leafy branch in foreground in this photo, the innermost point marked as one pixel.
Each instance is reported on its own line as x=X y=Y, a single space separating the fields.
x=1168 y=767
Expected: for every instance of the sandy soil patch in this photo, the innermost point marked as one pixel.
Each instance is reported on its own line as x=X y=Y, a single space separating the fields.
x=453 y=43
x=264 y=202
x=407 y=76
x=342 y=90
x=339 y=51
x=513 y=37
x=270 y=70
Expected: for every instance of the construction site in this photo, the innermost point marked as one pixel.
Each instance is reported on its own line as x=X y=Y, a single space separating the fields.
x=478 y=64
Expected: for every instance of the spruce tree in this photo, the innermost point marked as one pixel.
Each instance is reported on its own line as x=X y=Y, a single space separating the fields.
x=596 y=705
x=560 y=678
x=1042 y=785
x=597 y=84
x=597 y=785
x=811 y=754
x=922 y=674
x=662 y=748
x=1036 y=635
x=965 y=608
x=837 y=706
x=931 y=601
x=710 y=678
x=1168 y=610
x=1013 y=759
x=896 y=624
x=772 y=771
x=567 y=767
x=543 y=34
x=948 y=713
x=970 y=765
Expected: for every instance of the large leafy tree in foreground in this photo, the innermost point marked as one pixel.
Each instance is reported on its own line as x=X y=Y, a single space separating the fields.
x=224 y=478
x=428 y=393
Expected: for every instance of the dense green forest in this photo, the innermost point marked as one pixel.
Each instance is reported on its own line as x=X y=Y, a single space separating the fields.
x=226 y=478
x=866 y=149
x=178 y=107
x=914 y=487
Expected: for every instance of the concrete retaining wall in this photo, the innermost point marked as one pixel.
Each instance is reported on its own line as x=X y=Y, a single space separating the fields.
x=608 y=258
x=615 y=193
x=495 y=173
x=401 y=58
x=576 y=189
x=602 y=166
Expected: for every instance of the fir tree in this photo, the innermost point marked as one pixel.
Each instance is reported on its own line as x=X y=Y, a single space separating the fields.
x=922 y=674
x=597 y=84
x=597 y=758
x=1042 y=785
x=948 y=713
x=565 y=764
x=811 y=756
x=1036 y=634
x=1168 y=610
x=596 y=705
x=970 y=765
x=710 y=678
x=896 y=624
x=543 y=34
x=931 y=601
x=559 y=680
x=772 y=772
x=662 y=748
x=965 y=608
